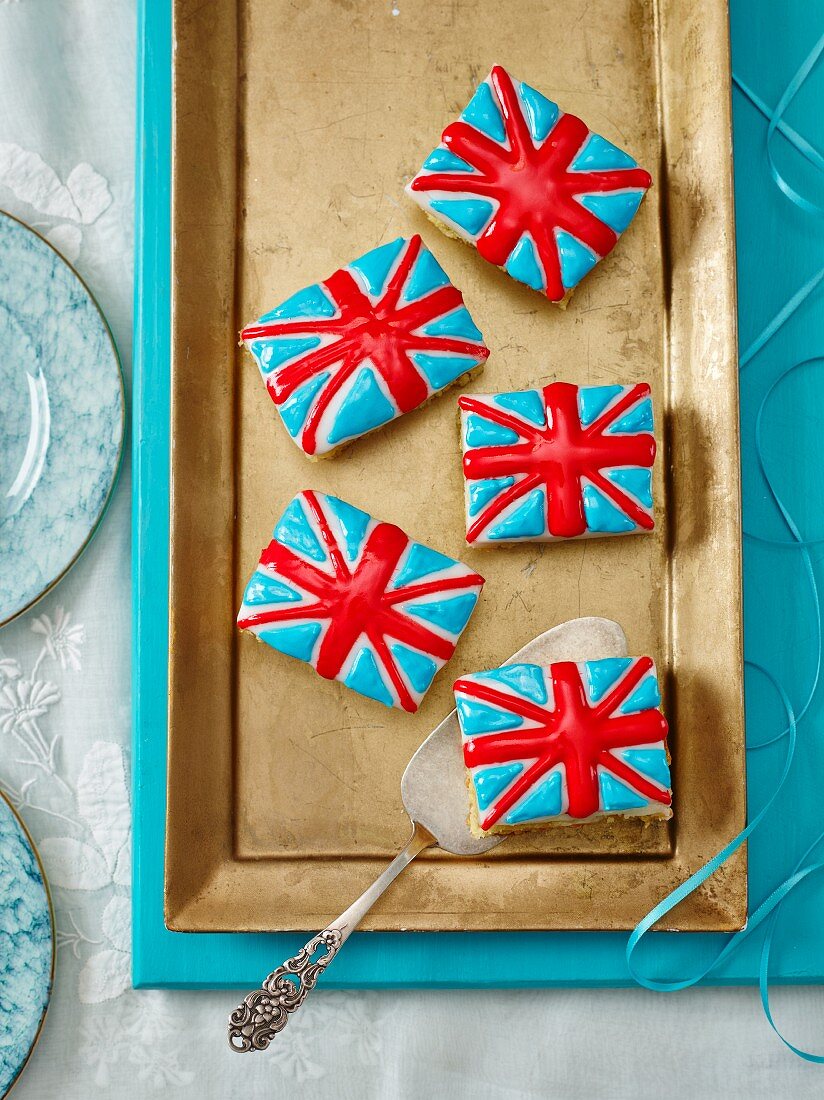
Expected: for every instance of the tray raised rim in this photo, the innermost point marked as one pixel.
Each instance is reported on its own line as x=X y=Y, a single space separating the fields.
x=190 y=887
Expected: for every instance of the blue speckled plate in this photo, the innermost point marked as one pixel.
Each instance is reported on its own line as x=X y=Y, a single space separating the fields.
x=61 y=416
x=26 y=946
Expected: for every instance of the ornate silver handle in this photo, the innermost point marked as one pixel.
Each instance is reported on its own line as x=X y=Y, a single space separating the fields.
x=265 y=1012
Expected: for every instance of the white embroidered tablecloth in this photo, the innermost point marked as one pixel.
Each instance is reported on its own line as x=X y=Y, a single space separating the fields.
x=66 y=166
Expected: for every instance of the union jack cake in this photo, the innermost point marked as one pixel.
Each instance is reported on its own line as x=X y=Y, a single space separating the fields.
x=535 y=190
x=358 y=600
x=563 y=744
x=562 y=462
x=377 y=339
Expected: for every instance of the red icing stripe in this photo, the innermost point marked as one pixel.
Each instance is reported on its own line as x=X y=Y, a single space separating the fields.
x=385 y=332
x=573 y=733
x=355 y=600
x=557 y=456
x=532 y=185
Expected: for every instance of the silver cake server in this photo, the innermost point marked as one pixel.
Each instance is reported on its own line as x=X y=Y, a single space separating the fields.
x=434 y=793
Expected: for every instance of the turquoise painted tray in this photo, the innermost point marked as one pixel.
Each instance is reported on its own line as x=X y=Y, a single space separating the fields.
x=779 y=248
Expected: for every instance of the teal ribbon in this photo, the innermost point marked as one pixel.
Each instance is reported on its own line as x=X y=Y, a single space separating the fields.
x=781 y=318
x=800 y=873
x=801 y=144
x=768 y=912
x=695 y=880
x=797 y=541
x=775 y=122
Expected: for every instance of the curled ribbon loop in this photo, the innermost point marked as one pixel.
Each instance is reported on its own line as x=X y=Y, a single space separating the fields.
x=767 y=913
x=796 y=542
x=701 y=876
x=775 y=122
x=800 y=873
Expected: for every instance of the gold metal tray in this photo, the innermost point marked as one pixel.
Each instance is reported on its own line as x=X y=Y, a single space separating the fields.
x=295 y=128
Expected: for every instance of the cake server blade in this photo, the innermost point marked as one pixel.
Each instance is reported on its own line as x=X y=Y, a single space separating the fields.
x=433 y=786
x=434 y=792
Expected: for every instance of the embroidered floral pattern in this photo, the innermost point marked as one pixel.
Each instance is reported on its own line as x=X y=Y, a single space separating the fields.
x=64 y=763
x=88 y=861
x=77 y=202
x=62 y=640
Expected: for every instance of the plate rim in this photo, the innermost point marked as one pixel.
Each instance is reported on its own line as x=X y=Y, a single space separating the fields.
x=52 y=924
x=118 y=465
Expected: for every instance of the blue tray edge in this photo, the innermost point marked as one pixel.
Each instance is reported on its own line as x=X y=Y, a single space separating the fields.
x=162 y=959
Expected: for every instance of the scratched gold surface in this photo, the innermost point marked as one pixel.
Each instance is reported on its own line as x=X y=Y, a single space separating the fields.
x=296 y=126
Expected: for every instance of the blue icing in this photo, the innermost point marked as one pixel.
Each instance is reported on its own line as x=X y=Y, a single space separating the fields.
x=616 y=209
x=602 y=515
x=526 y=680
x=353 y=523
x=638 y=419
x=528 y=520
x=440 y=370
x=541 y=113
x=293 y=412
x=365 y=407
x=524 y=266
x=450 y=614
x=443 y=160
x=421 y=561
x=592 y=400
x=296 y=641
x=636 y=480
x=481 y=492
x=544 y=801
x=601 y=675
x=365 y=678
x=25 y=947
x=427 y=275
x=419 y=668
x=295 y=531
x=481 y=432
x=576 y=259
x=490 y=782
x=312 y=301
x=645 y=697
x=477 y=718
x=650 y=762
x=618 y=796
x=458 y=323
x=600 y=155
x=273 y=352
x=483 y=113
x=263 y=589
x=470 y=214
x=374 y=266
x=527 y=403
